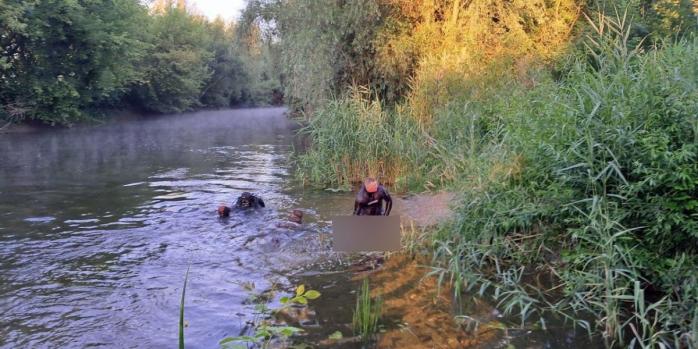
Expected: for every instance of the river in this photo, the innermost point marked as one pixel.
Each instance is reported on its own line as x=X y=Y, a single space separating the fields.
x=99 y=224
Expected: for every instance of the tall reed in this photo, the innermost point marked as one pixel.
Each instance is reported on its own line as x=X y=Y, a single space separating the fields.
x=367 y=313
x=598 y=152
x=355 y=137
x=181 y=311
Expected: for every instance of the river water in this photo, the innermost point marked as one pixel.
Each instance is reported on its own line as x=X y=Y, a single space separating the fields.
x=98 y=226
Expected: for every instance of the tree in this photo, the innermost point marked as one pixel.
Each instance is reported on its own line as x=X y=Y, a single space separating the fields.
x=60 y=57
x=229 y=78
x=177 y=64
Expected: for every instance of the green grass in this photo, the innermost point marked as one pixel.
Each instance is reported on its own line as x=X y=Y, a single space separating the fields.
x=355 y=137
x=367 y=313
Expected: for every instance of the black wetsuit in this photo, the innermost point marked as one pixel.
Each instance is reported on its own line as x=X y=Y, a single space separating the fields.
x=248 y=200
x=371 y=204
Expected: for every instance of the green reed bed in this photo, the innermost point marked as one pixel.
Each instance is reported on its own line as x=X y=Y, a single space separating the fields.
x=604 y=200
x=356 y=137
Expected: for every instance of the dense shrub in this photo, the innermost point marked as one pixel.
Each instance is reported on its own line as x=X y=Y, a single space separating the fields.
x=58 y=57
x=609 y=179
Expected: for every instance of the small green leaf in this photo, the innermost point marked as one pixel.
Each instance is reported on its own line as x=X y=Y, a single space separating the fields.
x=312 y=294
x=301 y=300
x=300 y=290
x=336 y=336
x=284 y=300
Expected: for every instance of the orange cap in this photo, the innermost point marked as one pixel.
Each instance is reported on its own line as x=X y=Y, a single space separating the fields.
x=371 y=186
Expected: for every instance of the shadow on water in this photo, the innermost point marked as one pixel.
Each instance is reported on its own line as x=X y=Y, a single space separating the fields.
x=99 y=224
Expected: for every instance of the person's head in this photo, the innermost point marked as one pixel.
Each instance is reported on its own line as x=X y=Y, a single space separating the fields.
x=223 y=211
x=371 y=185
x=296 y=216
x=245 y=199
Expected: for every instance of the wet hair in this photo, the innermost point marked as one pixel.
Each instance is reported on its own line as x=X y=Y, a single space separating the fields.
x=245 y=199
x=223 y=211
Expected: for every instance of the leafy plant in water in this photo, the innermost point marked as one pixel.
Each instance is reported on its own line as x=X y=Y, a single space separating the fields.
x=367 y=313
x=265 y=331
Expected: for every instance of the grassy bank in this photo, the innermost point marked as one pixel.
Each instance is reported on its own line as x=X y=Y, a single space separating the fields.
x=585 y=172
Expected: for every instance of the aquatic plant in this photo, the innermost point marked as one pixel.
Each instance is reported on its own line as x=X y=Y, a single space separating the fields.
x=265 y=332
x=414 y=240
x=367 y=313
x=181 y=311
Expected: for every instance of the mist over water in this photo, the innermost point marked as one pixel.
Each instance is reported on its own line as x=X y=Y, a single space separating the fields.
x=99 y=224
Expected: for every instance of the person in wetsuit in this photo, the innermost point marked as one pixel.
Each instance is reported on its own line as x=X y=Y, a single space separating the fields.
x=246 y=201
x=369 y=199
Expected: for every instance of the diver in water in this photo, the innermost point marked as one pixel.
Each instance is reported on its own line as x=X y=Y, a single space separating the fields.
x=369 y=199
x=246 y=201
x=295 y=220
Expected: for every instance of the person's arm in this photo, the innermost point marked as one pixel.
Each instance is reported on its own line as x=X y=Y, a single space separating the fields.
x=360 y=197
x=388 y=202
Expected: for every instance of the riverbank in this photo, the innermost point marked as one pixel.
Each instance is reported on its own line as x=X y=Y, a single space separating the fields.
x=587 y=174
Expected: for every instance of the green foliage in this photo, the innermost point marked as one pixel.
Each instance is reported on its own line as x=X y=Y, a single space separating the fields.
x=176 y=69
x=367 y=313
x=609 y=177
x=323 y=53
x=261 y=63
x=654 y=20
x=229 y=76
x=589 y=171
x=356 y=137
x=265 y=331
x=59 y=57
x=61 y=61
